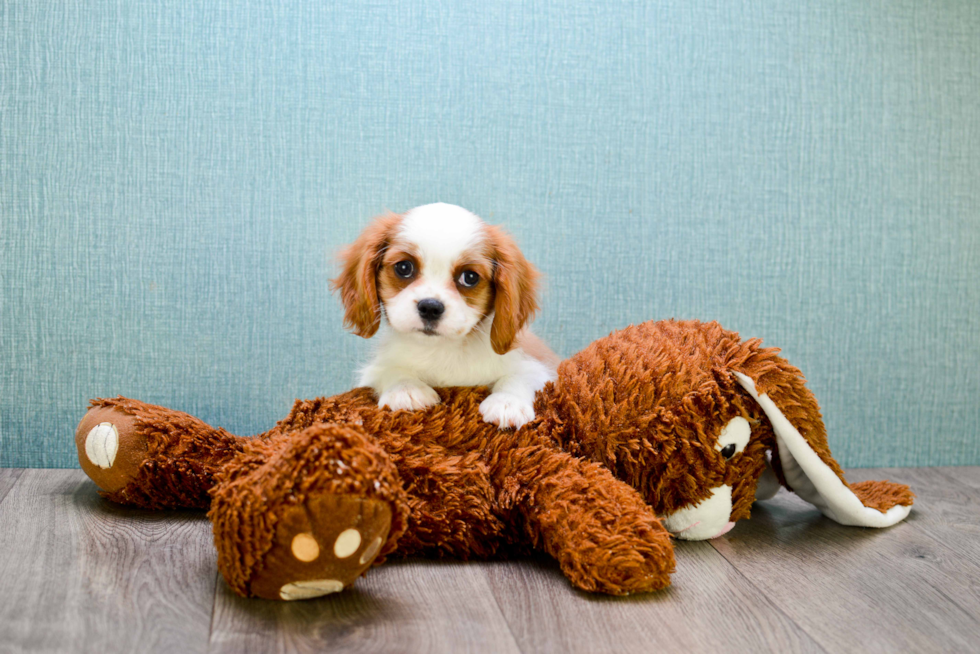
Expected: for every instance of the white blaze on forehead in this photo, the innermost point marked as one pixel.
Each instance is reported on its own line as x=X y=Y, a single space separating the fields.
x=438 y=234
x=441 y=232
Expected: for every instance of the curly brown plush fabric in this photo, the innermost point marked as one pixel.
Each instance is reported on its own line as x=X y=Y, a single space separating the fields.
x=650 y=400
x=629 y=432
x=270 y=477
x=650 y=404
x=883 y=495
x=166 y=459
x=456 y=487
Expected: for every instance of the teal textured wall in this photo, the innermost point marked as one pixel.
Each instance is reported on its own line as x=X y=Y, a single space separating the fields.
x=175 y=175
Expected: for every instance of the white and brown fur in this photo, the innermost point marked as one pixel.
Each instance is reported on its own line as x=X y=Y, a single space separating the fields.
x=480 y=338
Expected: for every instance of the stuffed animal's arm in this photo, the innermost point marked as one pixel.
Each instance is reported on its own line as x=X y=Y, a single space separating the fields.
x=148 y=456
x=604 y=536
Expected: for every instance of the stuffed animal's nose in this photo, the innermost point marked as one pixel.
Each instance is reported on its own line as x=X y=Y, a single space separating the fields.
x=431 y=309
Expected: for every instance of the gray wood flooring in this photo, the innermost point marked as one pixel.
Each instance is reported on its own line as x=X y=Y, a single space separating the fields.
x=78 y=574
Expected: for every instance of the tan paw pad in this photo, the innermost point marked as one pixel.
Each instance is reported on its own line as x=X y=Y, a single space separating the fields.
x=305 y=547
x=300 y=590
x=101 y=445
x=371 y=550
x=329 y=539
x=347 y=543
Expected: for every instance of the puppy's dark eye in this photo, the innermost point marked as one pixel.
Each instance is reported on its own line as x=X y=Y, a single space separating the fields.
x=404 y=269
x=728 y=451
x=468 y=278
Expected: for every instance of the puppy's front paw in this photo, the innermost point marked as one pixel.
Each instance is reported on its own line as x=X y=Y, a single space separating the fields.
x=506 y=410
x=409 y=395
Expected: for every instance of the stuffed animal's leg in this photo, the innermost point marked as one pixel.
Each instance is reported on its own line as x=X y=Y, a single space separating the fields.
x=604 y=536
x=151 y=457
x=452 y=502
x=305 y=513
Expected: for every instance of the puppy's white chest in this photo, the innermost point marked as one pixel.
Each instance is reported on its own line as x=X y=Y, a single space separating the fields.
x=451 y=365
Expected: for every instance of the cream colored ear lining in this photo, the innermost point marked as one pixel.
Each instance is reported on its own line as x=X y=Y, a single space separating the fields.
x=811 y=478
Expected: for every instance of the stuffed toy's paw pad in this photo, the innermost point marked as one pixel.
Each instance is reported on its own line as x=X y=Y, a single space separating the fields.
x=110 y=446
x=506 y=410
x=322 y=547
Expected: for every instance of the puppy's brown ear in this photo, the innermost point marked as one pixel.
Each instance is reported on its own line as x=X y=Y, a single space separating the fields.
x=515 y=284
x=357 y=281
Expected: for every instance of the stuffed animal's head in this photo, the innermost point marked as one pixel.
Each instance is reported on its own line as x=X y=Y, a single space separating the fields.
x=703 y=424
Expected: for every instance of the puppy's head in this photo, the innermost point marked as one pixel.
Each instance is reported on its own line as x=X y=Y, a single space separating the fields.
x=438 y=271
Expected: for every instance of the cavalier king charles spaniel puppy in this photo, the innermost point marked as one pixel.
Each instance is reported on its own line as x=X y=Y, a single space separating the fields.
x=457 y=294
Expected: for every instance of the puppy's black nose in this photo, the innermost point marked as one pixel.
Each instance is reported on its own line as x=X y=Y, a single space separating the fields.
x=431 y=309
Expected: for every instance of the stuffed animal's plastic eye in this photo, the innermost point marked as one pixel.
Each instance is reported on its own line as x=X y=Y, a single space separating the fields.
x=728 y=451
x=404 y=269
x=468 y=279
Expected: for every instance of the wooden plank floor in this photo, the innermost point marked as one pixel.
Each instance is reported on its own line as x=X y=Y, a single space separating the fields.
x=78 y=574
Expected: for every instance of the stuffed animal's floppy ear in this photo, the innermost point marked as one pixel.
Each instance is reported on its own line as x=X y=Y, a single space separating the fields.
x=810 y=471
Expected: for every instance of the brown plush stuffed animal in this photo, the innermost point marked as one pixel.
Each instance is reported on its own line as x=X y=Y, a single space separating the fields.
x=669 y=419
